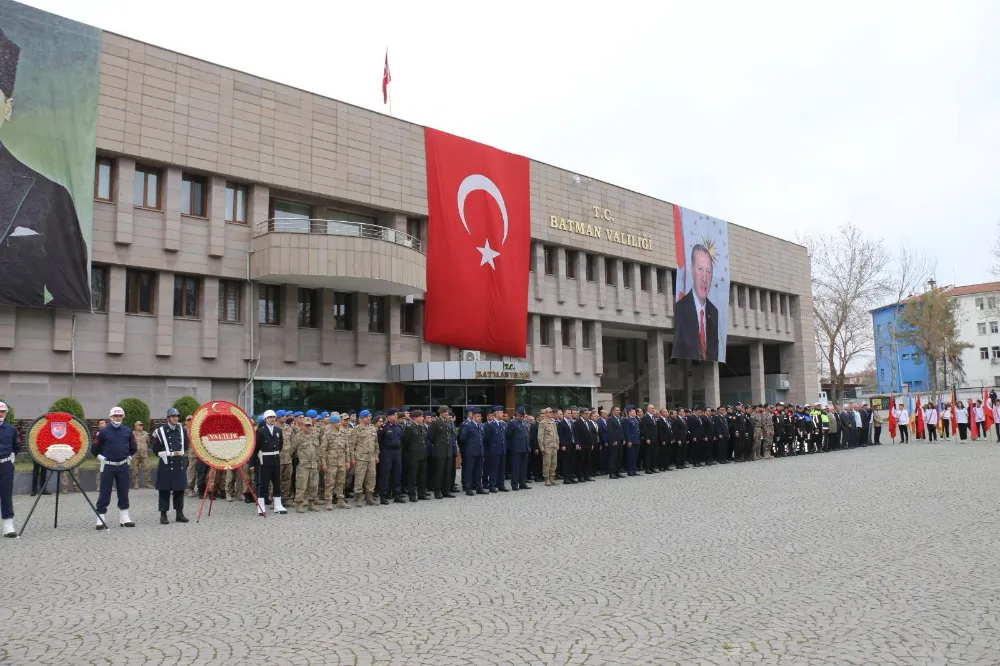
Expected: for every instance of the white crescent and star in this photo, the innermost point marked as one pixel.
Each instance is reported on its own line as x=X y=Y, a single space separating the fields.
x=215 y=407
x=470 y=184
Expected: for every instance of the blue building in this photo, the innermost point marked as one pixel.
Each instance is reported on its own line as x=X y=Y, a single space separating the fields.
x=896 y=363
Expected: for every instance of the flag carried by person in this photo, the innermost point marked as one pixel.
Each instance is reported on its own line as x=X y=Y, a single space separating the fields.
x=973 y=426
x=954 y=413
x=987 y=413
x=892 y=417
x=919 y=419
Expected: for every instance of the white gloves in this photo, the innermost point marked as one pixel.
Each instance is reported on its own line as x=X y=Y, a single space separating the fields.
x=129 y=461
x=101 y=459
x=260 y=457
x=163 y=456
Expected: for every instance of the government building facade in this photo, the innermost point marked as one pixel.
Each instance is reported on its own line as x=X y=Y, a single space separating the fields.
x=261 y=244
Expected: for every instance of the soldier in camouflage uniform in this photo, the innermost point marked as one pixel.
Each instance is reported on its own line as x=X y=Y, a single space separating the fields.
x=307 y=445
x=758 y=430
x=767 y=420
x=335 y=462
x=364 y=453
x=288 y=429
x=140 y=466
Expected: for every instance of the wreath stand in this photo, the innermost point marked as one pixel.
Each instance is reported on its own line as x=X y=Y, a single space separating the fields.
x=210 y=480
x=55 y=520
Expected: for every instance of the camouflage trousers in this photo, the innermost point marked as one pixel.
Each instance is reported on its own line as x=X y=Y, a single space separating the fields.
x=286 y=476
x=755 y=449
x=306 y=484
x=766 y=443
x=364 y=478
x=140 y=468
x=333 y=481
x=234 y=482
x=549 y=459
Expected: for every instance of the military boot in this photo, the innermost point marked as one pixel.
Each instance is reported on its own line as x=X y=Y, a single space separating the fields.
x=329 y=506
x=358 y=500
x=313 y=507
x=340 y=504
x=368 y=499
x=298 y=508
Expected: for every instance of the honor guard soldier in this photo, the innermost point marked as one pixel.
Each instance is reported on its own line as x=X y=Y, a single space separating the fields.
x=336 y=460
x=517 y=444
x=141 y=458
x=364 y=448
x=270 y=441
x=10 y=446
x=114 y=448
x=415 y=453
x=390 y=445
x=470 y=440
x=307 y=445
x=171 y=444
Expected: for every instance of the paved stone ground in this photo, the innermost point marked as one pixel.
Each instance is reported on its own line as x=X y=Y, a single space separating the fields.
x=886 y=555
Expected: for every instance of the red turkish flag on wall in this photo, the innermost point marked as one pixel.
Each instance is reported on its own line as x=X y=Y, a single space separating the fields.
x=478 y=246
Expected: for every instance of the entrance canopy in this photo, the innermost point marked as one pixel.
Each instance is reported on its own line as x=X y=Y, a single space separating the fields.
x=517 y=372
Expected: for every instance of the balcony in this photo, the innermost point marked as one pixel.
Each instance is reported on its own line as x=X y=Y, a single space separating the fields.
x=346 y=256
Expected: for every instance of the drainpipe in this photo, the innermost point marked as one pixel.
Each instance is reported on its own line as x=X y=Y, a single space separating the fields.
x=72 y=357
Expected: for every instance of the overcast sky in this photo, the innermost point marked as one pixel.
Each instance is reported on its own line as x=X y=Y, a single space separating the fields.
x=779 y=116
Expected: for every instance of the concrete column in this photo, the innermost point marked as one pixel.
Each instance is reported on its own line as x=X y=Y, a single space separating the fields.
x=757 y=308
x=171 y=206
x=327 y=332
x=656 y=344
x=62 y=330
x=392 y=333
x=765 y=298
x=217 y=217
x=598 y=350
x=561 y=280
x=671 y=279
x=712 y=397
x=124 y=200
x=360 y=328
x=557 y=348
x=746 y=304
x=578 y=346
x=248 y=314
x=654 y=291
x=290 y=322
x=788 y=312
x=210 y=317
x=636 y=287
x=164 y=314
x=756 y=372
x=425 y=347
x=602 y=287
x=116 y=310
x=619 y=286
x=539 y=251
x=536 y=341
x=581 y=278
x=733 y=301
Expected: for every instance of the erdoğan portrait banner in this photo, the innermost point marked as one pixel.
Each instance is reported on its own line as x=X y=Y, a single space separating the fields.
x=478 y=246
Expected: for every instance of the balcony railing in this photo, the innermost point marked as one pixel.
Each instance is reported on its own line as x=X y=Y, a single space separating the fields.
x=295 y=225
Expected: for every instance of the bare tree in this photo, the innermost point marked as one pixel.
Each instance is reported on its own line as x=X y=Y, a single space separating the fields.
x=849 y=277
x=996 y=253
x=930 y=323
x=868 y=381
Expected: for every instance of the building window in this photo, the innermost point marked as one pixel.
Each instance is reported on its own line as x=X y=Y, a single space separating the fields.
x=621 y=350
x=289 y=216
x=571 y=258
x=139 y=286
x=269 y=305
x=644 y=278
x=661 y=280
x=229 y=300
x=991 y=302
x=591 y=267
x=994 y=327
x=236 y=203
x=376 y=314
x=981 y=328
x=146 y=192
x=996 y=352
x=609 y=271
x=753 y=299
x=980 y=303
x=342 y=311
x=627 y=274
x=906 y=357
x=567 y=332
x=984 y=353
x=186 y=292
x=413 y=227
x=308 y=308
x=550 y=260
x=882 y=373
x=99 y=288
x=104 y=179
x=588 y=334
x=193 y=195
x=408 y=319
x=545 y=331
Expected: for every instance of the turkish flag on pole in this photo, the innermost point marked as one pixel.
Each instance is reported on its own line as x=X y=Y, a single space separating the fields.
x=987 y=413
x=386 y=79
x=478 y=246
x=892 y=416
x=919 y=418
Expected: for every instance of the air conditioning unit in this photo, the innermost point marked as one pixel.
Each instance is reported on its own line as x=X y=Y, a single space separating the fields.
x=469 y=355
x=784 y=384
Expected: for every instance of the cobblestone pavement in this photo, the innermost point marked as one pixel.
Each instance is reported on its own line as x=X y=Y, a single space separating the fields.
x=886 y=555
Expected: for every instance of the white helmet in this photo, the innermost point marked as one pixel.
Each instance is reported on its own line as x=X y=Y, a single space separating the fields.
x=269 y=413
x=117 y=411
x=3 y=406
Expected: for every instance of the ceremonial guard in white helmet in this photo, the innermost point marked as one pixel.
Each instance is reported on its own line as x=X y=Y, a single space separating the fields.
x=267 y=449
x=170 y=443
x=10 y=446
x=114 y=448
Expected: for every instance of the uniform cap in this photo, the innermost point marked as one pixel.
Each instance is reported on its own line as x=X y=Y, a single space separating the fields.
x=392 y=410
x=298 y=414
x=9 y=54
x=117 y=411
x=3 y=406
x=334 y=419
x=281 y=412
x=521 y=411
x=475 y=410
x=260 y=419
x=311 y=413
x=404 y=408
x=270 y=412
x=496 y=408
x=416 y=413
x=324 y=415
x=443 y=408
x=170 y=412
x=307 y=421
x=364 y=414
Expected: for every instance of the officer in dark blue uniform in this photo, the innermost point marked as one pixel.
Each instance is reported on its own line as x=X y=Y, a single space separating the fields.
x=10 y=446
x=267 y=451
x=390 y=443
x=170 y=444
x=470 y=441
x=516 y=437
x=494 y=445
x=632 y=440
x=114 y=449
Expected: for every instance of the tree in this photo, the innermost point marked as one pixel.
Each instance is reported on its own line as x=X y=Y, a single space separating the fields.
x=186 y=405
x=911 y=271
x=135 y=410
x=68 y=406
x=930 y=323
x=849 y=278
x=867 y=377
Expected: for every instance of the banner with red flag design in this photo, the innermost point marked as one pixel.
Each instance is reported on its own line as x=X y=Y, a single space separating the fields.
x=478 y=246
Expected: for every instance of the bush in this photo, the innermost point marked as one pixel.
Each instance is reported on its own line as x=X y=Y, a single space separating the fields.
x=186 y=405
x=135 y=410
x=69 y=406
x=11 y=419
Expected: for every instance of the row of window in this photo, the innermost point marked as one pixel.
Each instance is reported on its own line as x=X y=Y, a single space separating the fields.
x=140 y=298
x=147 y=191
x=987 y=302
x=994 y=327
x=547 y=331
x=989 y=352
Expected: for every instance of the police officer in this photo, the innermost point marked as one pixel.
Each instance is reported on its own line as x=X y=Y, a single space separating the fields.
x=170 y=444
x=270 y=441
x=517 y=445
x=415 y=452
x=390 y=442
x=114 y=449
x=10 y=446
x=470 y=441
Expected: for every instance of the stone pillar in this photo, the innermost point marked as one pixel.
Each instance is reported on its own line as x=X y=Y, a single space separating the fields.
x=164 y=314
x=636 y=287
x=756 y=372
x=259 y=200
x=290 y=322
x=361 y=328
x=392 y=331
x=656 y=345
x=671 y=279
x=561 y=275
x=619 y=286
x=602 y=286
x=116 y=310
x=535 y=322
x=581 y=278
x=171 y=206
x=578 y=346
x=539 y=251
x=598 y=350
x=124 y=200
x=210 y=317
x=249 y=304
x=217 y=217
x=327 y=330
x=654 y=291
x=557 y=348
x=712 y=397
x=768 y=316
x=62 y=330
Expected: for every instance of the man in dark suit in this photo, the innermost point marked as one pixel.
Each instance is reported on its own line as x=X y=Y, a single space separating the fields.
x=616 y=443
x=43 y=258
x=696 y=319
x=584 y=434
x=649 y=435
